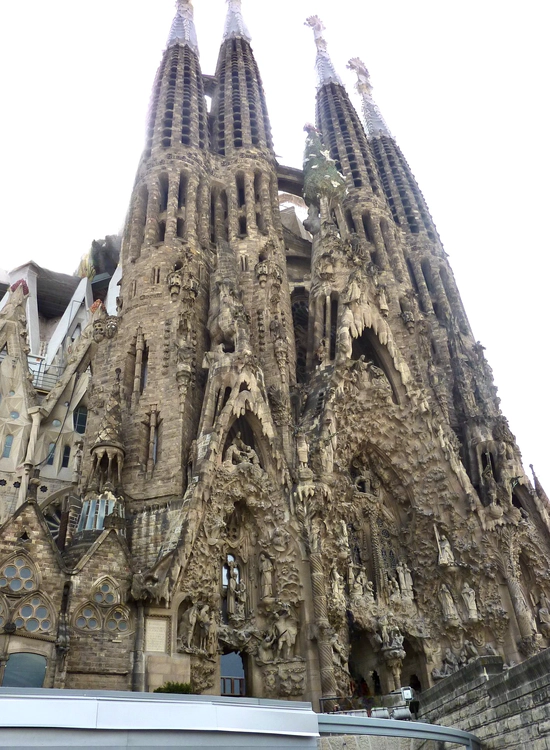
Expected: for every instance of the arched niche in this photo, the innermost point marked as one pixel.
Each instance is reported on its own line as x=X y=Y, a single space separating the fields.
x=379 y=525
x=366 y=668
x=414 y=672
x=368 y=348
x=300 y=319
x=233 y=674
x=244 y=444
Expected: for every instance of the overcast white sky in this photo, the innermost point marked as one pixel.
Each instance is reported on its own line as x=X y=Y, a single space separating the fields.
x=463 y=86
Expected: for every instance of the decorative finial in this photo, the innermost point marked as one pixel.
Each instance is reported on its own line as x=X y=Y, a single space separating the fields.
x=234 y=22
x=325 y=69
x=375 y=123
x=183 y=26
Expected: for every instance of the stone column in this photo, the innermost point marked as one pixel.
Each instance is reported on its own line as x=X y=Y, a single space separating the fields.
x=138 y=672
x=328 y=679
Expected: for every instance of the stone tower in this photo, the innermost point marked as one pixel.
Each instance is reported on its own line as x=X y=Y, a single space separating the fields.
x=294 y=474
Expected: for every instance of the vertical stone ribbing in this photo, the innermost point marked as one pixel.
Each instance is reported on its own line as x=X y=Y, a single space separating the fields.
x=343 y=132
x=239 y=106
x=406 y=201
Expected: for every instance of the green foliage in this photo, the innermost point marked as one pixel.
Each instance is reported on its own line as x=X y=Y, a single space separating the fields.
x=321 y=176
x=183 y=688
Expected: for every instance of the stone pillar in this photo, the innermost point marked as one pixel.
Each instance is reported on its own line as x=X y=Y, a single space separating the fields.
x=140 y=347
x=421 y=284
x=138 y=672
x=328 y=679
x=524 y=616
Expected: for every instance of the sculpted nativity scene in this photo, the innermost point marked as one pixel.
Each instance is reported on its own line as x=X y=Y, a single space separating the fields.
x=262 y=456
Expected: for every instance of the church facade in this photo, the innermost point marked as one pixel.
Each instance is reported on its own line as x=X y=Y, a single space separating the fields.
x=258 y=455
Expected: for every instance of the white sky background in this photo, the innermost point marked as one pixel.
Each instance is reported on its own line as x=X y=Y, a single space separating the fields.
x=463 y=87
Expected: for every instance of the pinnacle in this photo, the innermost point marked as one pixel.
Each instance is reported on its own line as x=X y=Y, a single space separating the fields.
x=183 y=26
x=326 y=71
x=234 y=22
x=374 y=121
x=111 y=423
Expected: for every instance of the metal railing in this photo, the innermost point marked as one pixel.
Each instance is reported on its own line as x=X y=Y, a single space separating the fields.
x=331 y=724
x=44 y=378
x=233 y=686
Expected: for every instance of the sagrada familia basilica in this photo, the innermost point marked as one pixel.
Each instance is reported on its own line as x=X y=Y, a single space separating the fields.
x=260 y=455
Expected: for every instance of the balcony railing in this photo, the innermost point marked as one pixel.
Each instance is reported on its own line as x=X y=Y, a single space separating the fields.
x=234 y=686
x=44 y=378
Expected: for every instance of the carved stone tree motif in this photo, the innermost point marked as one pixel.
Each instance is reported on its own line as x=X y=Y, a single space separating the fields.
x=510 y=544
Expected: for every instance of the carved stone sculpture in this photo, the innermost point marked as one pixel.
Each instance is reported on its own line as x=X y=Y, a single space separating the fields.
x=446 y=556
x=266 y=576
x=469 y=596
x=448 y=606
x=186 y=626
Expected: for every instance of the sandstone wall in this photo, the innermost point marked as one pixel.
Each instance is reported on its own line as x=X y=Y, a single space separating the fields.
x=504 y=709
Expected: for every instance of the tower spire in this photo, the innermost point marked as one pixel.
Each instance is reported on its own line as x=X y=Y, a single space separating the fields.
x=375 y=123
x=326 y=71
x=234 y=22
x=183 y=29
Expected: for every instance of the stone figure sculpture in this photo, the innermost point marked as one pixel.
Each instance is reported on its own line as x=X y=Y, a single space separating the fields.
x=186 y=626
x=469 y=596
x=447 y=604
x=266 y=576
x=232 y=582
x=446 y=556
x=239 y=452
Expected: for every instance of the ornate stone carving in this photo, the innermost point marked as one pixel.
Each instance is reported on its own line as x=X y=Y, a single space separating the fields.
x=266 y=576
x=448 y=606
x=469 y=597
x=202 y=675
x=239 y=452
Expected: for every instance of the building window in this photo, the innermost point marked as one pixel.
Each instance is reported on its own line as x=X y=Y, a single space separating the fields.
x=66 y=457
x=17 y=577
x=8 y=442
x=25 y=671
x=118 y=621
x=33 y=616
x=51 y=454
x=105 y=594
x=80 y=418
x=144 y=369
x=88 y=619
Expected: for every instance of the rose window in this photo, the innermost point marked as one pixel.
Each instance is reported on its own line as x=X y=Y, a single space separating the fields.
x=17 y=577
x=88 y=619
x=105 y=594
x=34 y=616
x=118 y=622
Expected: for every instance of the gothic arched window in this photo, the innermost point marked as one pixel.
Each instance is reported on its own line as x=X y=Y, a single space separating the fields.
x=118 y=620
x=17 y=576
x=105 y=593
x=88 y=618
x=34 y=616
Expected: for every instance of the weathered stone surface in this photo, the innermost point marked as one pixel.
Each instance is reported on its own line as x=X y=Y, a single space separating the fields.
x=294 y=449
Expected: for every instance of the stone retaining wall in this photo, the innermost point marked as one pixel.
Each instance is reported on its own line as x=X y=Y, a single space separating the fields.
x=504 y=709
